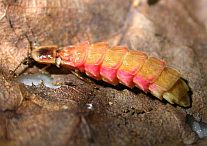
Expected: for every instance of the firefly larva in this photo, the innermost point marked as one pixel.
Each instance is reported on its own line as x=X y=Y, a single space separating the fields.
x=119 y=65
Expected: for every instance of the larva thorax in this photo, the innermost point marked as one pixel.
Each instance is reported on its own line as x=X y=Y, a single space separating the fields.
x=119 y=65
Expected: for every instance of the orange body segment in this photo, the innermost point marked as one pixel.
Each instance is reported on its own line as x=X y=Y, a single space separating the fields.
x=96 y=53
x=149 y=72
x=132 y=62
x=74 y=56
x=112 y=61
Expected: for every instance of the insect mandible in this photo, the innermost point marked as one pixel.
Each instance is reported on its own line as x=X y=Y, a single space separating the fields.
x=119 y=65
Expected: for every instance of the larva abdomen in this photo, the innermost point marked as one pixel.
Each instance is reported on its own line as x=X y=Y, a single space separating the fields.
x=120 y=65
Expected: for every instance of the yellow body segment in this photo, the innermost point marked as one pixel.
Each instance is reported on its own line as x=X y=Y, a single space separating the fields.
x=149 y=72
x=164 y=82
x=112 y=61
x=133 y=61
x=151 y=69
x=113 y=57
x=96 y=53
x=178 y=94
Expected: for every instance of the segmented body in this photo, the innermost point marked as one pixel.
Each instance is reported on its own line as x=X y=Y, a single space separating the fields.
x=119 y=65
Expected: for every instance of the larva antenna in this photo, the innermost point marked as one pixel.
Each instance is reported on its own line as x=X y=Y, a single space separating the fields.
x=28 y=60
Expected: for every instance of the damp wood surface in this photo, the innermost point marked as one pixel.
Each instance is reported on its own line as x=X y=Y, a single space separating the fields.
x=89 y=112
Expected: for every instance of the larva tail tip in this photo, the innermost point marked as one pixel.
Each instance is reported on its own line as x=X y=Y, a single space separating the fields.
x=184 y=101
x=178 y=94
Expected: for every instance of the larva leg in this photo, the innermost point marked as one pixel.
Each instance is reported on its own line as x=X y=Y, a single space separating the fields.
x=45 y=68
x=77 y=74
x=26 y=61
x=112 y=61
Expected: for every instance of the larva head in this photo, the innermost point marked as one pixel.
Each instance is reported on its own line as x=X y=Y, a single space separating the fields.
x=44 y=54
